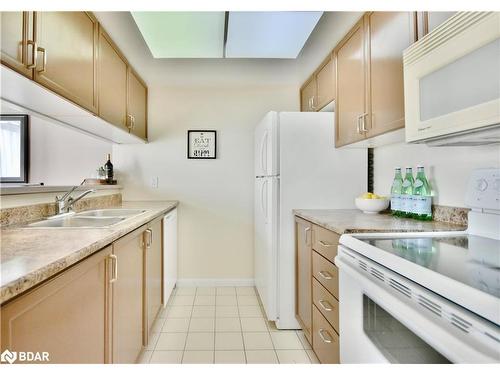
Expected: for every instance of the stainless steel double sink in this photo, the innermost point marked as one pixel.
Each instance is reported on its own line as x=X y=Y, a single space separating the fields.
x=88 y=219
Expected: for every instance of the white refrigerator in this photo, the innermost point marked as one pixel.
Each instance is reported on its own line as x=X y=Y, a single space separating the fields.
x=296 y=167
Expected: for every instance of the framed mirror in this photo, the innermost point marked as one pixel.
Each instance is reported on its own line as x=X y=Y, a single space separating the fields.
x=14 y=148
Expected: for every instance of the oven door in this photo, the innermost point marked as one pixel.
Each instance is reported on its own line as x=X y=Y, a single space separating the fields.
x=381 y=324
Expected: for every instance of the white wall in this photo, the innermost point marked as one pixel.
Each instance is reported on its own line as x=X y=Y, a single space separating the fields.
x=216 y=196
x=447 y=167
x=63 y=156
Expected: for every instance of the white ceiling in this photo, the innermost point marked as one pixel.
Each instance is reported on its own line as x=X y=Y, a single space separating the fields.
x=225 y=72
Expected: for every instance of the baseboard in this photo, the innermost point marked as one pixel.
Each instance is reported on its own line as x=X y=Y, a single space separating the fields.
x=214 y=282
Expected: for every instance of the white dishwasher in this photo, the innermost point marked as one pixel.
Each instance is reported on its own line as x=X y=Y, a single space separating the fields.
x=169 y=254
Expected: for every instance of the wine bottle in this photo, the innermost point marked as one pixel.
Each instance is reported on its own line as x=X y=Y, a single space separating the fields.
x=108 y=167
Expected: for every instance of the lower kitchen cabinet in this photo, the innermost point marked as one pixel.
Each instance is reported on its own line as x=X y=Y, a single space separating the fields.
x=66 y=316
x=100 y=310
x=152 y=275
x=127 y=297
x=317 y=304
x=303 y=272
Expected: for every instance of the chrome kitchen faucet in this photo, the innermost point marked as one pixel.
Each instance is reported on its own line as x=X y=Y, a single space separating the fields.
x=66 y=202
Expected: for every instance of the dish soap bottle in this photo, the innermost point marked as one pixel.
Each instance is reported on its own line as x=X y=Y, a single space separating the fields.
x=422 y=197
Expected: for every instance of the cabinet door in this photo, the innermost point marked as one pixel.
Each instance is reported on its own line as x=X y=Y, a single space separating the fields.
x=307 y=94
x=16 y=30
x=137 y=104
x=389 y=34
x=303 y=304
x=325 y=84
x=128 y=298
x=153 y=275
x=112 y=82
x=65 y=316
x=67 y=63
x=351 y=86
x=325 y=339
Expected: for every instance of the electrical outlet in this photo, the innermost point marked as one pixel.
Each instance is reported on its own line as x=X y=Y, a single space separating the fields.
x=154 y=182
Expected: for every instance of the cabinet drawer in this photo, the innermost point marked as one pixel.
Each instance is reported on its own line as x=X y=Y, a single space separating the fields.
x=325 y=242
x=325 y=339
x=326 y=273
x=326 y=304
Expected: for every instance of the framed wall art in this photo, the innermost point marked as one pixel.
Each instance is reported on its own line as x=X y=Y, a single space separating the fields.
x=202 y=144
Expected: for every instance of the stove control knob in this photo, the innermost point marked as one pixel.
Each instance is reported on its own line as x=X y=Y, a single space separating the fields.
x=481 y=184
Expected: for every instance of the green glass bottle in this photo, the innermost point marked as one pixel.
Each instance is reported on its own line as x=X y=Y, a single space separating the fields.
x=422 y=196
x=406 y=194
x=397 y=186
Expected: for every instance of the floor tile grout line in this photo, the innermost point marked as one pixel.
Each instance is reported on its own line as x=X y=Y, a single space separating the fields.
x=189 y=326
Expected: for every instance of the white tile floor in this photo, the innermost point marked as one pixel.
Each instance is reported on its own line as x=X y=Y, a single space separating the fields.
x=221 y=325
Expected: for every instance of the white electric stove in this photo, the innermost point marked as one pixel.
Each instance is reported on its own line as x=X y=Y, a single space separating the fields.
x=430 y=297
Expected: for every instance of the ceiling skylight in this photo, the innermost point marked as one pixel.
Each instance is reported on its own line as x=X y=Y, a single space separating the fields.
x=182 y=34
x=226 y=34
x=269 y=34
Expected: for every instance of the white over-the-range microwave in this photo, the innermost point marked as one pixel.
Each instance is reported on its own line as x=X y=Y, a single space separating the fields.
x=452 y=82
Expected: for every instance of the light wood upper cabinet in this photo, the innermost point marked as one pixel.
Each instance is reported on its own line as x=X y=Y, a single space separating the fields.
x=66 y=317
x=303 y=303
x=319 y=89
x=153 y=275
x=128 y=298
x=67 y=55
x=389 y=34
x=137 y=104
x=112 y=82
x=325 y=82
x=307 y=94
x=15 y=33
x=351 y=94
x=428 y=21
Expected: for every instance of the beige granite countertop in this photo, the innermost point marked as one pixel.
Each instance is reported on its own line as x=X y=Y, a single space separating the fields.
x=355 y=221
x=29 y=256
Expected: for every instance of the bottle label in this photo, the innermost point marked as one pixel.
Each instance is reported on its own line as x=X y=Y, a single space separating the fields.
x=396 y=202
x=418 y=183
x=422 y=205
x=406 y=183
x=406 y=203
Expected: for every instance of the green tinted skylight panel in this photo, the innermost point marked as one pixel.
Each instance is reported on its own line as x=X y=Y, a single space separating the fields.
x=182 y=34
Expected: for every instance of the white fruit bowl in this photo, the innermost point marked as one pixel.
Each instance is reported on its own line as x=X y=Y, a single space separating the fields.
x=372 y=206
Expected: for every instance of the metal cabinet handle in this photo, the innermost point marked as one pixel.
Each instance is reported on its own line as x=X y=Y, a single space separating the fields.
x=325 y=275
x=150 y=237
x=34 y=54
x=325 y=244
x=114 y=272
x=42 y=50
x=363 y=122
x=306 y=231
x=322 y=335
x=133 y=122
x=325 y=305
x=358 y=126
x=312 y=103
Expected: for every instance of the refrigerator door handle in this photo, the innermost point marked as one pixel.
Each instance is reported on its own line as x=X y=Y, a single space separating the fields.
x=263 y=202
x=263 y=161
